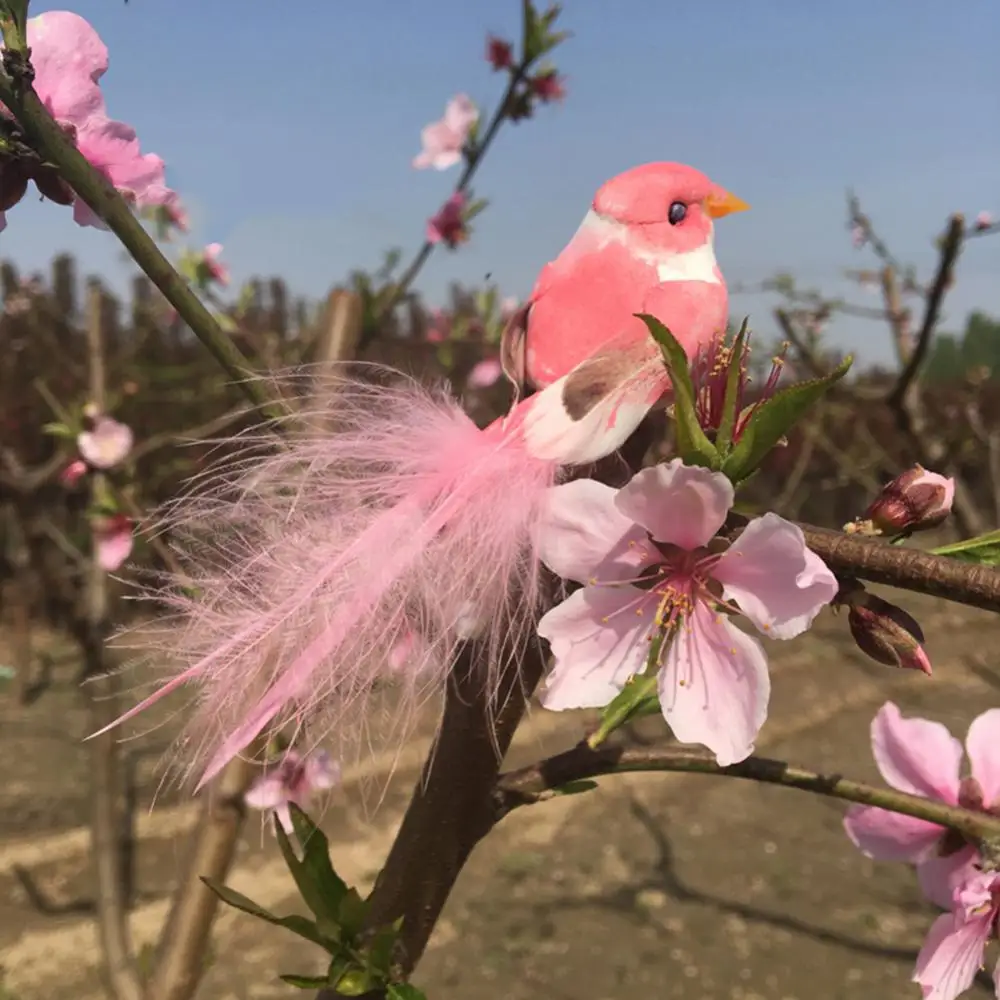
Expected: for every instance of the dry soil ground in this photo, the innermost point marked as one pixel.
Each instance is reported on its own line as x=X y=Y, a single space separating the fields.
x=651 y=885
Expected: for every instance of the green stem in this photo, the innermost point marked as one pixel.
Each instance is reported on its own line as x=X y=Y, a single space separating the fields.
x=51 y=143
x=534 y=783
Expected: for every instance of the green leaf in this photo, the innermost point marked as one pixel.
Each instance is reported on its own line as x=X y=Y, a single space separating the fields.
x=693 y=446
x=301 y=926
x=404 y=991
x=575 y=787
x=773 y=419
x=381 y=950
x=305 y=982
x=321 y=887
x=58 y=429
x=983 y=549
x=629 y=703
x=724 y=435
x=353 y=983
x=352 y=912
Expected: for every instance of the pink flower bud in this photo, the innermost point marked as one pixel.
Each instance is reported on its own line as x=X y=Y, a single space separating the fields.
x=449 y=226
x=499 y=53
x=73 y=473
x=887 y=633
x=913 y=501
x=984 y=220
x=547 y=86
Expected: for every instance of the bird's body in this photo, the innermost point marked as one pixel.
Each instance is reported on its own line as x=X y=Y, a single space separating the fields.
x=409 y=519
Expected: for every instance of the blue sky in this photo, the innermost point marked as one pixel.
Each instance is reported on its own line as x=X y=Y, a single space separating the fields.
x=289 y=127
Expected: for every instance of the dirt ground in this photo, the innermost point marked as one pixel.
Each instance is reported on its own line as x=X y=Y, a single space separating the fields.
x=651 y=885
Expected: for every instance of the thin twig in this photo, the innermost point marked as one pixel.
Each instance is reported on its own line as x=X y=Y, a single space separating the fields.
x=101 y=690
x=538 y=781
x=951 y=247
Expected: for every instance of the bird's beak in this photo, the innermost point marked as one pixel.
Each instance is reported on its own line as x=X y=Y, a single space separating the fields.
x=720 y=203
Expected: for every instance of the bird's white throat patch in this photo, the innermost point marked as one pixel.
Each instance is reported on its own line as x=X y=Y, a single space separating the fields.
x=691 y=265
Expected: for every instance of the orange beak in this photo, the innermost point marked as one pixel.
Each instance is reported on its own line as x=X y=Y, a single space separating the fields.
x=721 y=203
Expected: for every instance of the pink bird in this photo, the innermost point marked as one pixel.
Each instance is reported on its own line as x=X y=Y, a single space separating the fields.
x=310 y=564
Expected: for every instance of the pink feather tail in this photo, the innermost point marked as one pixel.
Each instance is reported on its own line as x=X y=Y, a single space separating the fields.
x=387 y=515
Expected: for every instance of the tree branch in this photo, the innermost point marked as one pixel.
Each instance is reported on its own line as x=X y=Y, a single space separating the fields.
x=538 y=781
x=101 y=690
x=951 y=247
x=52 y=145
x=911 y=569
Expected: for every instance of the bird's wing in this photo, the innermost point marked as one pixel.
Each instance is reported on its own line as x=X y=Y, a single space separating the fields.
x=589 y=413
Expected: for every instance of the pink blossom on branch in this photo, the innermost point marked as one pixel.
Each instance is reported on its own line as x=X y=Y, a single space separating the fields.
x=955 y=947
x=648 y=558
x=444 y=141
x=112 y=540
x=548 y=86
x=73 y=473
x=295 y=779
x=69 y=59
x=499 y=53
x=921 y=757
x=213 y=268
x=984 y=220
x=106 y=444
x=449 y=225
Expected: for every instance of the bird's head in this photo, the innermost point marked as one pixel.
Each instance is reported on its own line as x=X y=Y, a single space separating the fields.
x=666 y=206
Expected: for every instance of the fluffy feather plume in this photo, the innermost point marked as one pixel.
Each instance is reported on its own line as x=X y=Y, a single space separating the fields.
x=385 y=513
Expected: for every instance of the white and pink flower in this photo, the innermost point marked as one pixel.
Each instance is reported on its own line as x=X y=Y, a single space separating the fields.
x=649 y=559
x=106 y=444
x=444 y=141
x=921 y=757
x=294 y=780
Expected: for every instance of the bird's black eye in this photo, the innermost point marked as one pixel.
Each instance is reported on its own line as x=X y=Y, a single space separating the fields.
x=677 y=213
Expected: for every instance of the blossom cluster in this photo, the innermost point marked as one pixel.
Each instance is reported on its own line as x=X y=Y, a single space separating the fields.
x=69 y=59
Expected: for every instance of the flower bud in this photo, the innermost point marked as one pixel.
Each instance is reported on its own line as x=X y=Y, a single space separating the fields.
x=887 y=633
x=499 y=53
x=913 y=501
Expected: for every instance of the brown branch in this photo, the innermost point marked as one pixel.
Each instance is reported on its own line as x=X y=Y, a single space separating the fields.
x=184 y=941
x=538 y=781
x=157 y=441
x=101 y=691
x=951 y=247
x=910 y=569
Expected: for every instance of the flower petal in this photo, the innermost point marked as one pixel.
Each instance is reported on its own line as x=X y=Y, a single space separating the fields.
x=598 y=642
x=583 y=534
x=951 y=956
x=916 y=755
x=69 y=58
x=284 y=815
x=677 y=503
x=113 y=547
x=888 y=836
x=779 y=584
x=322 y=771
x=714 y=686
x=940 y=877
x=983 y=747
x=266 y=792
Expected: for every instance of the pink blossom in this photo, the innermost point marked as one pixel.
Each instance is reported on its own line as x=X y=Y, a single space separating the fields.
x=984 y=220
x=921 y=757
x=485 y=373
x=69 y=59
x=212 y=268
x=73 y=473
x=448 y=226
x=858 y=236
x=112 y=540
x=444 y=141
x=106 y=444
x=440 y=327
x=659 y=531
x=295 y=779
x=954 y=949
